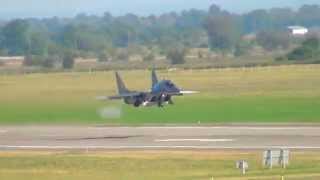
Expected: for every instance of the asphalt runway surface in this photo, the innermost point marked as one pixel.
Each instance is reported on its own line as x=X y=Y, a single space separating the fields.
x=159 y=138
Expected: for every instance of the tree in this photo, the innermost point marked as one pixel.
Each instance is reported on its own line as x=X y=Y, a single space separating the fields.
x=50 y=61
x=299 y=54
x=90 y=35
x=309 y=15
x=39 y=43
x=242 y=48
x=257 y=20
x=16 y=37
x=222 y=32
x=4 y=52
x=34 y=60
x=214 y=10
x=68 y=60
x=282 y=17
x=28 y=60
x=271 y=40
x=84 y=38
x=104 y=57
x=149 y=57
x=55 y=50
x=122 y=55
x=177 y=56
x=121 y=34
x=310 y=49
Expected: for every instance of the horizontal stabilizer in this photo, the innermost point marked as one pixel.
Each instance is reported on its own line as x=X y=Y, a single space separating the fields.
x=106 y=98
x=115 y=97
x=118 y=97
x=102 y=98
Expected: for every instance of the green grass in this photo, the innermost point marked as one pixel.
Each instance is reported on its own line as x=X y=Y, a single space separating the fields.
x=151 y=165
x=49 y=113
x=186 y=110
x=230 y=109
x=270 y=94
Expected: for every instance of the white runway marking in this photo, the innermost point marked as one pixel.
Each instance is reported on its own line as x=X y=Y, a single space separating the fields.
x=216 y=127
x=192 y=140
x=160 y=147
x=50 y=135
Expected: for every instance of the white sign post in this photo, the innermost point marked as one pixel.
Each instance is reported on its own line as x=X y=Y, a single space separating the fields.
x=243 y=165
x=276 y=158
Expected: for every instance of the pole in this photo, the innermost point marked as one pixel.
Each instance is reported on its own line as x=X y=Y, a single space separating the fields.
x=270 y=159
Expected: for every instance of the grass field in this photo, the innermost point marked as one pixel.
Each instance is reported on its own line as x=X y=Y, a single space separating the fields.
x=266 y=94
x=161 y=165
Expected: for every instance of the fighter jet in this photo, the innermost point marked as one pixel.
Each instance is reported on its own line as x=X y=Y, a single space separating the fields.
x=161 y=93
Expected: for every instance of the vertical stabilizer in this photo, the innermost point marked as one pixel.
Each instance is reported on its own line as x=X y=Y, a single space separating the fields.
x=154 y=78
x=121 y=87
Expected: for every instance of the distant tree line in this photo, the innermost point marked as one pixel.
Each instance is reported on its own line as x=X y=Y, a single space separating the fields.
x=309 y=50
x=46 y=41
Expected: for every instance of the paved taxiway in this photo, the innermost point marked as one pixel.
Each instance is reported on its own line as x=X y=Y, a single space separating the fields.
x=112 y=138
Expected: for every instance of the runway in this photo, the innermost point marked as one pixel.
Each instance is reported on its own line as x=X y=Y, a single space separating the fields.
x=159 y=138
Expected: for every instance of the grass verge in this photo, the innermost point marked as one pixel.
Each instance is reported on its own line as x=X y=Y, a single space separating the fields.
x=151 y=165
x=282 y=94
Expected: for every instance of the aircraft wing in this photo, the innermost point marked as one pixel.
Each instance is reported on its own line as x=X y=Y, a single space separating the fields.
x=125 y=95
x=120 y=96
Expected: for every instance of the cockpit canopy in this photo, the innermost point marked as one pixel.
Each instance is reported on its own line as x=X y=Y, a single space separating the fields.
x=169 y=84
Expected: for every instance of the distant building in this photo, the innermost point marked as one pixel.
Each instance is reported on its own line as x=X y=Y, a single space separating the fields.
x=12 y=61
x=298 y=30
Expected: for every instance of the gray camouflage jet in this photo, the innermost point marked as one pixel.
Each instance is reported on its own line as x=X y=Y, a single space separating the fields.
x=161 y=93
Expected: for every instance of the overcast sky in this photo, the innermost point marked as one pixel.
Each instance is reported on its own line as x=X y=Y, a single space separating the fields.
x=67 y=8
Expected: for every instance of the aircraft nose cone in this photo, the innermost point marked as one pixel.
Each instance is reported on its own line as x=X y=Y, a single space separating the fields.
x=175 y=90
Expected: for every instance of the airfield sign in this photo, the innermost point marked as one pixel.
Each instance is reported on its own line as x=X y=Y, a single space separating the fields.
x=276 y=158
x=243 y=166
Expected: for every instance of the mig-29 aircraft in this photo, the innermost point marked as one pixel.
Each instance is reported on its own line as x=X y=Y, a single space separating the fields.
x=161 y=92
